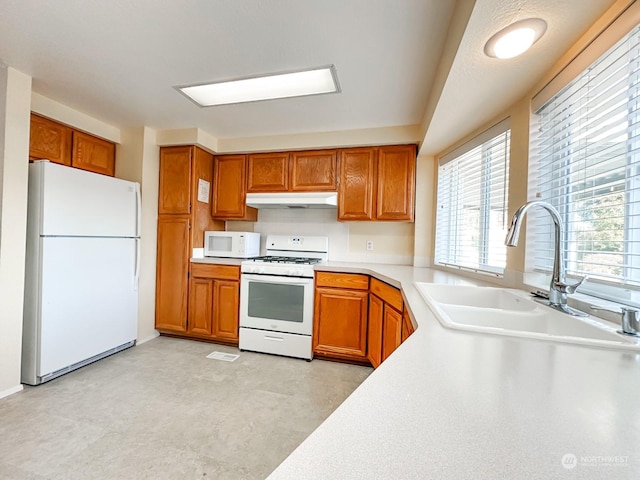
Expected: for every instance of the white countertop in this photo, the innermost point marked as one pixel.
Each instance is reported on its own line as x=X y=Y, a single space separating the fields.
x=457 y=405
x=218 y=260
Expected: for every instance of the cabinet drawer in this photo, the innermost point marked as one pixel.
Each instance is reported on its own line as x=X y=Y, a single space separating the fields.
x=342 y=280
x=227 y=272
x=389 y=294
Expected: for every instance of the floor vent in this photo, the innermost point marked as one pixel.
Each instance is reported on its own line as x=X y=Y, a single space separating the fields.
x=225 y=357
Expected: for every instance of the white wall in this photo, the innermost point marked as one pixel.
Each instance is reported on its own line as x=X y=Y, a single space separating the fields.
x=15 y=104
x=393 y=242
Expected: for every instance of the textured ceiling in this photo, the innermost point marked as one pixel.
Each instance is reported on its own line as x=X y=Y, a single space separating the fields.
x=479 y=87
x=118 y=60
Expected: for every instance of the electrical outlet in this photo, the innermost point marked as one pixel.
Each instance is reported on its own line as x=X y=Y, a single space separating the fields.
x=369 y=244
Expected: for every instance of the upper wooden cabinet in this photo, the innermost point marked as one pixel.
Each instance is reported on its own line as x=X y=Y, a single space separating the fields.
x=356 y=190
x=93 y=154
x=50 y=140
x=313 y=171
x=396 y=183
x=62 y=144
x=268 y=172
x=377 y=183
x=175 y=181
x=310 y=171
x=229 y=189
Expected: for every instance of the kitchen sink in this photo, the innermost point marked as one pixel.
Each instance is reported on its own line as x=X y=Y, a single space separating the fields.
x=504 y=311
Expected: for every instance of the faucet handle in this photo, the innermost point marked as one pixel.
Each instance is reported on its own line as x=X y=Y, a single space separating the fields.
x=629 y=319
x=566 y=288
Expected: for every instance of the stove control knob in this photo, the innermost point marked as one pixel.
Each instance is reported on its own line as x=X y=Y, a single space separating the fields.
x=295 y=272
x=261 y=270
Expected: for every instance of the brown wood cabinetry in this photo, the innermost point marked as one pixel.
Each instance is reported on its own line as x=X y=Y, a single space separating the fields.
x=182 y=220
x=356 y=189
x=396 y=183
x=340 y=318
x=407 y=326
x=172 y=270
x=391 y=330
x=93 y=154
x=62 y=144
x=50 y=140
x=268 y=172
x=229 y=189
x=374 y=332
x=389 y=301
x=377 y=183
x=175 y=181
x=214 y=302
x=343 y=329
x=313 y=171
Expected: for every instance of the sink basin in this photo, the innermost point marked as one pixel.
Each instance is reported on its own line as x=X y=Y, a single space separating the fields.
x=504 y=311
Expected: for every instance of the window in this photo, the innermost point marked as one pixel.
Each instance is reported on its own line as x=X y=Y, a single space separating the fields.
x=472 y=218
x=586 y=162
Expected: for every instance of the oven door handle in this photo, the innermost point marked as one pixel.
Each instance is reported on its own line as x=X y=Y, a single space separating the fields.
x=277 y=279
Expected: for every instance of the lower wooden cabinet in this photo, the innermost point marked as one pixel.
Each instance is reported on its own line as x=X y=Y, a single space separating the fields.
x=172 y=273
x=374 y=335
x=214 y=302
x=358 y=319
x=391 y=331
x=340 y=316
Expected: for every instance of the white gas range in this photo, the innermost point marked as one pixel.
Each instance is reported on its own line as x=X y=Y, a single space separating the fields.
x=276 y=296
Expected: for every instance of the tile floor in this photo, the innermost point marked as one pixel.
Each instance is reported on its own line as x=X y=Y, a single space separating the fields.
x=163 y=411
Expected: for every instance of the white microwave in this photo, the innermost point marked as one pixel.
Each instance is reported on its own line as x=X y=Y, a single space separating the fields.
x=231 y=244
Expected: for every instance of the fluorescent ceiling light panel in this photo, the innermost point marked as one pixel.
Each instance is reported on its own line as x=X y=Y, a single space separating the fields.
x=268 y=87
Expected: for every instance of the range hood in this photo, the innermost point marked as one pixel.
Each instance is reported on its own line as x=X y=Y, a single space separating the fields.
x=293 y=200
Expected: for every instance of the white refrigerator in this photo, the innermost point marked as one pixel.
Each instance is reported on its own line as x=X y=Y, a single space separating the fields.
x=82 y=266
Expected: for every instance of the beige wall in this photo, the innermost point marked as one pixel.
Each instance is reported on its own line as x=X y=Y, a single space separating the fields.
x=15 y=101
x=392 y=242
x=520 y=114
x=138 y=161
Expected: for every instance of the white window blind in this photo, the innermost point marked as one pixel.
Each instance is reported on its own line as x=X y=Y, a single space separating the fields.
x=585 y=161
x=471 y=218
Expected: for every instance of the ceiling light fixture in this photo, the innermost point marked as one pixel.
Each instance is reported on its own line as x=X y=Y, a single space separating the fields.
x=267 y=87
x=515 y=39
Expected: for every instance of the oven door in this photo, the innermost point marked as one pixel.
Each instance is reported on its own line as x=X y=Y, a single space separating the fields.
x=279 y=304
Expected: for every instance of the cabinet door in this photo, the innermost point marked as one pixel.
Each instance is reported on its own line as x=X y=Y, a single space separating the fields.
x=407 y=326
x=93 y=154
x=268 y=172
x=391 y=331
x=340 y=323
x=174 y=194
x=374 y=332
x=172 y=269
x=313 y=171
x=200 y=306
x=229 y=192
x=50 y=140
x=356 y=184
x=396 y=183
x=226 y=308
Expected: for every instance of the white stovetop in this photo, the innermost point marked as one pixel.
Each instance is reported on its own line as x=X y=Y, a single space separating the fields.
x=457 y=405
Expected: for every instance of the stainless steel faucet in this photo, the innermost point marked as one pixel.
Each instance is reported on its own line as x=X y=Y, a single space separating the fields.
x=558 y=289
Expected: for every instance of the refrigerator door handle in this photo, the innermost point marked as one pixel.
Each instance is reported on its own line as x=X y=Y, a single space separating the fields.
x=136 y=274
x=138 y=210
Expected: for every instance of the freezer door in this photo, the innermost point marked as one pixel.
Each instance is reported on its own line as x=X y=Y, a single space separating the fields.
x=89 y=301
x=78 y=203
